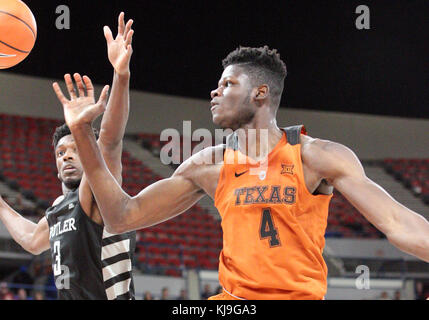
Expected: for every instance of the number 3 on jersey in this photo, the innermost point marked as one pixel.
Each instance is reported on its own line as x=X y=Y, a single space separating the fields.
x=268 y=229
x=57 y=265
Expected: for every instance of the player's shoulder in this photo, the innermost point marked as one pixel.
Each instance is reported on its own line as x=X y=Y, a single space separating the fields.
x=212 y=155
x=202 y=160
x=315 y=146
x=58 y=200
x=325 y=154
x=207 y=156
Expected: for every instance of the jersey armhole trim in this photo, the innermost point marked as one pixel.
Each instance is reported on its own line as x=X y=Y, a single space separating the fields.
x=221 y=172
x=320 y=195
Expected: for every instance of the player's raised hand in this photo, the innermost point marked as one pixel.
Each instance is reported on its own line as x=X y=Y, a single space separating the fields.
x=81 y=108
x=119 y=49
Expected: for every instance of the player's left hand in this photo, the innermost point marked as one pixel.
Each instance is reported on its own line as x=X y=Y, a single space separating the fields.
x=81 y=108
x=119 y=50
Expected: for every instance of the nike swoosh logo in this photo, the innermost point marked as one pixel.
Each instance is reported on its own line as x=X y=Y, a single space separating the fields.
x=4 y=55
x=239 y=174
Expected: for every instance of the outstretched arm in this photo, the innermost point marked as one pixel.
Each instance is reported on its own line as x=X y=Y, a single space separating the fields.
x=115 y=118
x=119 y=211
x=404 y=228
x=158 y=202
x=32 y=237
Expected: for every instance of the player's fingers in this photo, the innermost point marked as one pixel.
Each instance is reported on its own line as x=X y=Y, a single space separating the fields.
x=121 y=24
x=128 y=27
x=59 y=93
x=129 y=51
x=79 y=84
x=129 y=38
x=89 y=86
x=103 y=97
x=108 y=34
x=70 y=86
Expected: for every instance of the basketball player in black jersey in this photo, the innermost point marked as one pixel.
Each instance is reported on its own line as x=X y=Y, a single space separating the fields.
x=87 y=261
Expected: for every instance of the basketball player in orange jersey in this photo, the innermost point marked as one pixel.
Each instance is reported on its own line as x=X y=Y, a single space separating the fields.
x=274 y=215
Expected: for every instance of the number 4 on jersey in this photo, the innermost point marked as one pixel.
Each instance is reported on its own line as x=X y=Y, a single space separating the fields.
x=268 y=230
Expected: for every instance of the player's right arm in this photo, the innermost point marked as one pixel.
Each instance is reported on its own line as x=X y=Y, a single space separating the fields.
x=32 y=237
x=158 y=202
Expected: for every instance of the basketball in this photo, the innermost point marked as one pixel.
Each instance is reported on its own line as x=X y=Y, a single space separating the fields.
x=18 y=31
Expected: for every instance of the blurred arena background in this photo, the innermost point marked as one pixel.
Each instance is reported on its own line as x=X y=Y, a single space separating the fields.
x=366 y=89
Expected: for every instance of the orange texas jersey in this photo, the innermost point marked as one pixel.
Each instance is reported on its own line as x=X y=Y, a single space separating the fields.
x=273 y=227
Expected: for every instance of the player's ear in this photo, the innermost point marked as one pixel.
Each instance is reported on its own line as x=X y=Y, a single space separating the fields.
x=261 y=92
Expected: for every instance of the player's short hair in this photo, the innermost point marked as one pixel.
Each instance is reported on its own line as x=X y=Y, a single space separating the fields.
x=263 y=65
x=63 y=131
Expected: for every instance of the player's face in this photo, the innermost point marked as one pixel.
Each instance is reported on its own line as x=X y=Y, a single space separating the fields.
x=231 y=102
x=69 y=167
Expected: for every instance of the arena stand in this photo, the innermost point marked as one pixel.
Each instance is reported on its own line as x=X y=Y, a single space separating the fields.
x=412 y=173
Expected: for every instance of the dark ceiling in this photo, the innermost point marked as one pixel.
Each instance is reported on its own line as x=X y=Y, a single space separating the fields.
x=179 y=45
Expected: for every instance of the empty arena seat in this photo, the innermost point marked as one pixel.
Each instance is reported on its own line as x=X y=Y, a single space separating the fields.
x=413 y=173
x=344 y=221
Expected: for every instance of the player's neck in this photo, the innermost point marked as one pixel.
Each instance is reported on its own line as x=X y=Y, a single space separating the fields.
x=66 y=190
x=258 y=138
